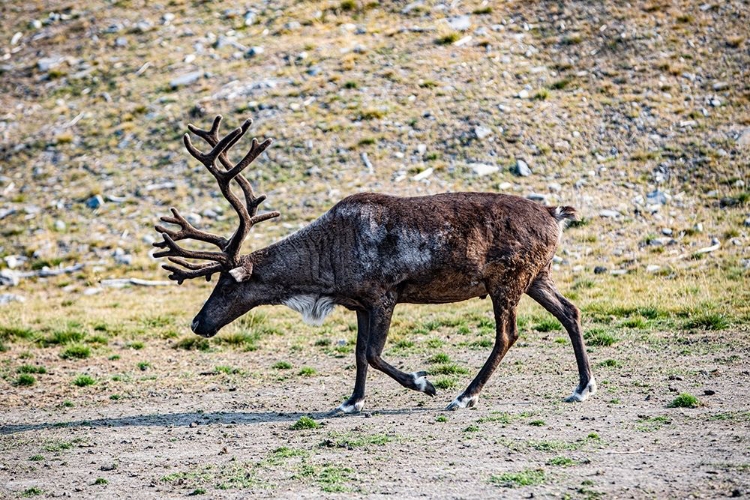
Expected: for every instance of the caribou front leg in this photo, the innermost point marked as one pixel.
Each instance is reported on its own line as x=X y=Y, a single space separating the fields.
x=355 y=403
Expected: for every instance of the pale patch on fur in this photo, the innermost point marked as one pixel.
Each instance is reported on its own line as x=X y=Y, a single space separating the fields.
x=420 y=382
x=240 y=274
x=578 y=397
x=461 y=402
x=355 y=408
x=313 y=308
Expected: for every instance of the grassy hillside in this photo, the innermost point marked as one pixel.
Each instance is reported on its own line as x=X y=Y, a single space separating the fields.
x=615 y=103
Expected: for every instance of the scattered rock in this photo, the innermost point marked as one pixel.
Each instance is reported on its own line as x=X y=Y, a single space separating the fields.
x=47 y=63
x=7 y=298
x=459 y=23
x=709 y=392
x=521 y=168
x=554 y=187
x=482 y=132
x=720 y=86
x=666 y=231
x=744 y=139
x=652 y=268
x=186 y=79
x=600 y=270
x=254 y=51
x=9 y=278
x=657 y=197
x=747 y=222
x=95 y=202
x=537 y=197
x=60 y=225
x=423 y=175
x=503 y=186
x=524 y=94
x=482 y=169
x=715 y=245
x=609 y=214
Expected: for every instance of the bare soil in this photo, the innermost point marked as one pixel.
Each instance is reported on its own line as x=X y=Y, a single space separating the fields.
x=231 y=436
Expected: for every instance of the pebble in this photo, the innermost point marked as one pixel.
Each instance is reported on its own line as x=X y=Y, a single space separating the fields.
x=9 y=278
x=747 y=222
x=600 y=270
x=95 y=202
x=609 y=213
x=657 y=197
x=254 y=51
x=47 y=63
x=423 y=175
x=524 y=94
x=186 y=79
x=482 y=169
x=193 y=218
x=720 y=86
x=7 y=298
x=554 y=187
x=744 y=139
x=503 y=186
x=521 y=168
x=666 y=231
x=652 y=268
x=60 y=225
x=537 y=197
x=482 y=132
x=35 y=24
x=459 y=23
x=121 y=41
x=421 y=149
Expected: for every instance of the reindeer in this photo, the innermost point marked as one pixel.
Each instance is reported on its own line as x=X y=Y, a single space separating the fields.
x=372 y=251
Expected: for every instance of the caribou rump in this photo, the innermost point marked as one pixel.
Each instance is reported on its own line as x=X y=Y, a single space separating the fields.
x=372 y=251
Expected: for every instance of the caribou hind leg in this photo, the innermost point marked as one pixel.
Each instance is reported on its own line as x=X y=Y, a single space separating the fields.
x=544 y=292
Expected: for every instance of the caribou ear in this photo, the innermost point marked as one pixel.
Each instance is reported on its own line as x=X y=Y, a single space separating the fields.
x=242 y=273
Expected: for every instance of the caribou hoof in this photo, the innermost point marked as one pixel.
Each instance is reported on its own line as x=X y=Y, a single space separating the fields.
x=462 y=402
x=580 y=395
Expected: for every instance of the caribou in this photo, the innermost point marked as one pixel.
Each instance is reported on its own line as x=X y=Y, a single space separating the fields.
x=370 y=252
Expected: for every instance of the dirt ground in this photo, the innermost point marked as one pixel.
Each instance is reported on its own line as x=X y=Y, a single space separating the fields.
x=229 y=435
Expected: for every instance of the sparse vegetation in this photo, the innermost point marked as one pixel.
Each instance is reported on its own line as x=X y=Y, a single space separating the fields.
x=518 y=479
x=84 y=380
x=76 y=351
x=685 y=400
x=304 y=423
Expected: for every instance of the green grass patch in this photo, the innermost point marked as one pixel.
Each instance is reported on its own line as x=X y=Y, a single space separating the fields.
x=439 y=358
x=227 y=370
x=304 y=422
x=350 y=440
x=537 y=423
x=282 y=365
x=599 y=337
x=76 y=351
x=25 y=380
x=527 y=477
x=307 y=371
x=610 y=363
x=83 y=381
x=707 y=321
x=11 y=333
x=31 y=369
x=100 y=480
x=448 y=38
x=547 y=325
x=561 y=461
x=241 y=340
x=445 y=383
x=36 y=458
x=448 y=369
x=61 y=337
x=685 y=400
x=193 y=343
x=32 y=492
x=143 y=365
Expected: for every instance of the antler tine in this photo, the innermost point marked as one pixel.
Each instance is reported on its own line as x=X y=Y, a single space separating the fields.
x=180 y=275
x=209 y=159
x=187 y=231
x=174 y=250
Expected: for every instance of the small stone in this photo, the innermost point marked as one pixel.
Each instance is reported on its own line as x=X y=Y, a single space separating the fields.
x=9 y=278
x=715 y=102
x=92 y=291
x=167 y=18
x=698 y=228
x=554 y=187
x=609 y=214
x=482 y=132
x=423 y=175
x=60 y=225
x=95 y=202
x=249 y=18
x=744 y=139
x=666 y=231
x=459 y=23
x=652 y=268
x=47 y=63
x=193 y=218
x=186 y=79
x=341 y=342
x=600 y=270
x=657 y=197
x=7 y=298
x=254 y=51
x=524 y=94
x=720 y=86
x=746 y=223
x=503 y=186
x=537 y=197
x=421 y=149
x=521 y=168
x=121 y=42
x=688 y=123
x=35 y=24
x=709 y=392
x=482 y=169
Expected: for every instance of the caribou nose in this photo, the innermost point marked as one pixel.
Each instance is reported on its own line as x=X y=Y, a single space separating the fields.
x=194 y=326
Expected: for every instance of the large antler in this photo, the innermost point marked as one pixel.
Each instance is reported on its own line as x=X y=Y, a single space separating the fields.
x=229 y=255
